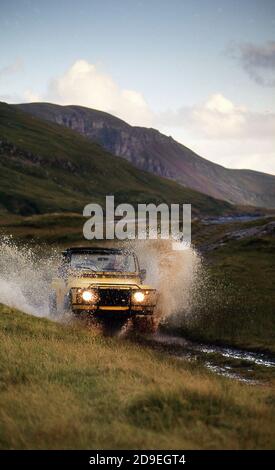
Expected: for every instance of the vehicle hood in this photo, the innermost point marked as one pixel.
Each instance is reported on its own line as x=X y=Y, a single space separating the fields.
x=82 y=282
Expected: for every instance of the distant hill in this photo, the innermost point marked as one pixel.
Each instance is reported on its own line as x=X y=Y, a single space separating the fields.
x=152 y=151
x=45 y=167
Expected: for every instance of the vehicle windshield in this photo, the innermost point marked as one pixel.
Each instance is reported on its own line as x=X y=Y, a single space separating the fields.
x=98 y=262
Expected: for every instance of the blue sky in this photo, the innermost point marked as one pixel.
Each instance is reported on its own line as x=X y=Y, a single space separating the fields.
x=202 y=71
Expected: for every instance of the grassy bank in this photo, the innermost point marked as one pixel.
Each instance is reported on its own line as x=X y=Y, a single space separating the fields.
x=235 y=302
x=66 y=387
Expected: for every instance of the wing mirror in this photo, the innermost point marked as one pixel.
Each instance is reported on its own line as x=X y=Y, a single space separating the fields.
x=142 y=274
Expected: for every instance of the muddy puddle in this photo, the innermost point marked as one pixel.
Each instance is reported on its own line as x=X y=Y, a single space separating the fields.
x=241 y=365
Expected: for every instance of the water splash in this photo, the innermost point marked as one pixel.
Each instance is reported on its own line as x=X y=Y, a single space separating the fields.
x=172 y=273
x=25 y=276
x=26 y=273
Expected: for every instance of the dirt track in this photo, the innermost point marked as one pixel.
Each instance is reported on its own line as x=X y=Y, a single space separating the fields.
x=242 y=365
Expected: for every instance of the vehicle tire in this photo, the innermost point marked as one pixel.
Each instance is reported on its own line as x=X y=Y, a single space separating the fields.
x=112 y=326
x=145 y=324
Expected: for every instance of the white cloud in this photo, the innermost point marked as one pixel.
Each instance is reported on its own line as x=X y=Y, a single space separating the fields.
x=85 y=85
x=225 y=132
x=219 y=118
x=251 y=154
x=31 y=97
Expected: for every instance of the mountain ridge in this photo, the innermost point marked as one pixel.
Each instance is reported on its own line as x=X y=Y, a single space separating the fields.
x=150 y=150
x=45 y=168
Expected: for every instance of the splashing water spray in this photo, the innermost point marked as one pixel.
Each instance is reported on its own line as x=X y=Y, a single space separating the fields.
x=173 y=273
x=25 y=276
x=26 y=273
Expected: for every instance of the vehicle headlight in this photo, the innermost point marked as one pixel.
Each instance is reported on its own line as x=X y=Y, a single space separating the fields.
x=139 y=296
x=89 y=296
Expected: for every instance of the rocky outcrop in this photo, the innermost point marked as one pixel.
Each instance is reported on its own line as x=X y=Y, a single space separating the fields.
x=254 y=233
x=17 y=154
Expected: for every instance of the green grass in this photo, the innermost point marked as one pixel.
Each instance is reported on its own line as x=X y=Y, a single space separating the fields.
x=47 y=168
x=67 y=387
x=235 y=302
x=52 y=229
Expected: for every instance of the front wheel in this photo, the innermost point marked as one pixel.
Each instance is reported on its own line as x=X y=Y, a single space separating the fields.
x=112 y=326
x=145 y=324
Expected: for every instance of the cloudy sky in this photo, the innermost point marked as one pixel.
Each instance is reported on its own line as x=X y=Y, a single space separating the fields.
x=202 y=71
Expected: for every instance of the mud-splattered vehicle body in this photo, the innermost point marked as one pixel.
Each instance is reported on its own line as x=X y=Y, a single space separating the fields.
x=103 y=283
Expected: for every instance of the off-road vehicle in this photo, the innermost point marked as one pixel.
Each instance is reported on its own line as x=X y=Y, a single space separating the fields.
x=106 y=283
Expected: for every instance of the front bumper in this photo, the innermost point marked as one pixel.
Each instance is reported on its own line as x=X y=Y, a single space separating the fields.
x=114 y=300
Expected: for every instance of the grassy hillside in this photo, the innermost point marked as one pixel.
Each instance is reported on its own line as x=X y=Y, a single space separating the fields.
x=54 y=229
x=65 y=387
x=45 y=168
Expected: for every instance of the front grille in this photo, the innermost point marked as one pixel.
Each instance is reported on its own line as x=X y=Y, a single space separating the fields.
x=114 y=297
